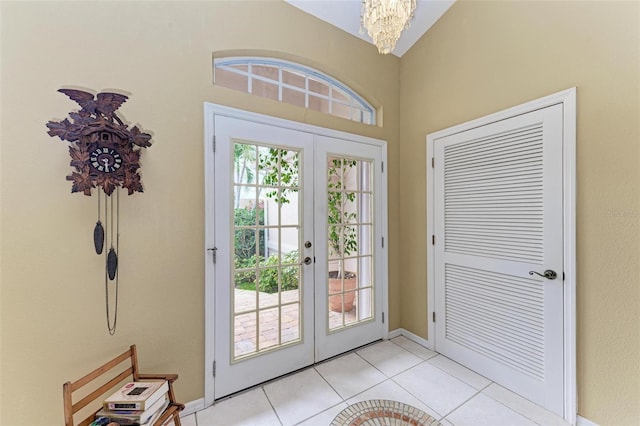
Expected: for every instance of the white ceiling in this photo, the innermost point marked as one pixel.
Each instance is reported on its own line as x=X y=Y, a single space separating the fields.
x=345 y=14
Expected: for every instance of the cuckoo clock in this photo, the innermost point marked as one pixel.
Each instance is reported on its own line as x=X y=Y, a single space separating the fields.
x=105 y=156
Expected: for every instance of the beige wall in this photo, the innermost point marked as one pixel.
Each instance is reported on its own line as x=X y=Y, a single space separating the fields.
x=479 y=58
x=52 y=307
x=482 y=57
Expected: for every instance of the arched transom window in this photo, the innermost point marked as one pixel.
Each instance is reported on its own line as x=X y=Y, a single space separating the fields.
x=293 y=84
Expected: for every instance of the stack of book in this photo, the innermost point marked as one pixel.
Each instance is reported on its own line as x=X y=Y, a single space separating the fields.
x=136 y=403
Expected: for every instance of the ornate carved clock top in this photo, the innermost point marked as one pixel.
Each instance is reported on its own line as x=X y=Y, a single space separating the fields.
x=104 y=151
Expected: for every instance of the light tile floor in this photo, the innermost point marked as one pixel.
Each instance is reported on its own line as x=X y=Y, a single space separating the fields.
x=397 y=369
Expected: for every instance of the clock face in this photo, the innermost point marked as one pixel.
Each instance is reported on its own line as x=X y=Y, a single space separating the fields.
x=105 y=160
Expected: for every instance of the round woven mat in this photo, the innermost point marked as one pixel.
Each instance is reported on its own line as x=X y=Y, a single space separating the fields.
x=382 y=412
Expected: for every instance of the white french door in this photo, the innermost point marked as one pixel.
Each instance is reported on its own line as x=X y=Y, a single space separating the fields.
x=349 y=294
x=286 y=208
x=498 y=226
x=263 y=289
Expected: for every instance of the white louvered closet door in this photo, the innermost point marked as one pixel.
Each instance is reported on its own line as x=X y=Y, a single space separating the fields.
x=498 y=215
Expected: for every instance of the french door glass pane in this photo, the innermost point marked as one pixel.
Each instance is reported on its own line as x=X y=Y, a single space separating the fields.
x=350 y=245
x=267 y=228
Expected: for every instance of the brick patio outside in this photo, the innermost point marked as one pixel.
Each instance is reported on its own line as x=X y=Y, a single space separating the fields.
x=245 y=324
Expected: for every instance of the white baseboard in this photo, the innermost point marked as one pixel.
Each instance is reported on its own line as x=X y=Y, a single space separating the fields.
x=413 y=337
x=395 y=333
x=581 y=421
x=192 y=407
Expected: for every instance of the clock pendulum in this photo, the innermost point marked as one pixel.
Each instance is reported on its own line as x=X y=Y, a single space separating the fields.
x=105 y=154
x=98 y=231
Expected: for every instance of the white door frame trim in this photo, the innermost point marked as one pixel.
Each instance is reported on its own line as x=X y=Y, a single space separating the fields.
x=568 y=100
x=210 y=111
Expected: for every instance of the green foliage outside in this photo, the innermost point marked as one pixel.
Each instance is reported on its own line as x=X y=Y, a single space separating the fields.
x=245 y=239
x=268 y=272
x=279 y=168
x=343 y=237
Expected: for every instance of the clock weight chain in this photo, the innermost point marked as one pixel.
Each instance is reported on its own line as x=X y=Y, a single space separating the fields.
x=111 y=257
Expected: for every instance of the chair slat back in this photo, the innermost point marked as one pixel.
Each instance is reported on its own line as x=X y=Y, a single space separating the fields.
x=71 y=408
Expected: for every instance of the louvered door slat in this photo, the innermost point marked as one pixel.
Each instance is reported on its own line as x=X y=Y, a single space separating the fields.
x=501 y=140
x=521 y=155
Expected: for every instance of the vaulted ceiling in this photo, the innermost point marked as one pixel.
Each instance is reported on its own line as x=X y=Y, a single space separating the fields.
x=345 y=14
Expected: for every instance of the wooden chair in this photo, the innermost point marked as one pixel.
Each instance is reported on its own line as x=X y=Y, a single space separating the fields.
x=130 y=357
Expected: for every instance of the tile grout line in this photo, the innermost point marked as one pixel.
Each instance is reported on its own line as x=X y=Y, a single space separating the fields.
x=387 y=378
x=403 y=371
x=445 y=372
x=455 y=377
x=478 y=392
x=399 y=372
x=418 y=398
x=481 y=390
x=317 y=414
x=512 y=408
x=332 y=388
x=330 y=385
x=271 y=405
x=435 y=354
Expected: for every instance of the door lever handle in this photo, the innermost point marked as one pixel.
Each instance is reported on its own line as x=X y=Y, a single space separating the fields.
x=548 y=274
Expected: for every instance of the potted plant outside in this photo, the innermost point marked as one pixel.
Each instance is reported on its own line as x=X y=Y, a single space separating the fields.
x=342 y=235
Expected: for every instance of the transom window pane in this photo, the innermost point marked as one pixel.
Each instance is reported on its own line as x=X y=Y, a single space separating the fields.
x=264 y=89
x=265 y=71
x=233 y=79
x=294 y=84
x=294 y=97
x=241 y=67
x=318 y=87
x=319 y=104
x=293 y=79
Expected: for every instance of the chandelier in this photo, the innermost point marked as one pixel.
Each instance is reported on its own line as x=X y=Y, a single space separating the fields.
x=385 y=20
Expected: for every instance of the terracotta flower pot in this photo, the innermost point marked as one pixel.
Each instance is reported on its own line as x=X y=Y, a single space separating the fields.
x=335 y=286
